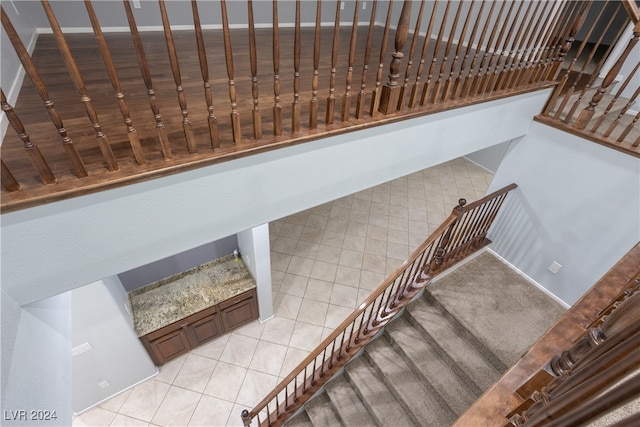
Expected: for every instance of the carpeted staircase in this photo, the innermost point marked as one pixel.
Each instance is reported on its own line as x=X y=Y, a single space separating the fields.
x=430 y=364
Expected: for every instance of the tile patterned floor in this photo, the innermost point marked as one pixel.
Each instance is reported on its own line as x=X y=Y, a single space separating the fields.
x=325 y=261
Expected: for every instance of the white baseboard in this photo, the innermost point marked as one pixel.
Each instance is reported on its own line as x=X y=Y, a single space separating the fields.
x=529 y=279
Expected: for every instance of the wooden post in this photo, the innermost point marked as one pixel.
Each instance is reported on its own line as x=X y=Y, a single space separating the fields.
x=228 y=55
x=39 y=163
x=313 y=104
x=413 y=98
x=346 y=98
x=9 y=182
x=297 y=42
x=257 y=117
x=165 y=145
x=277 y=108
x=38 y=85
x=365 y=65
x=407 y=72
x=76 y=77
x=391 y=91
x=587 y=114
x=212 y=120
x=175 y=70
x=331 y=99
x=377 y=92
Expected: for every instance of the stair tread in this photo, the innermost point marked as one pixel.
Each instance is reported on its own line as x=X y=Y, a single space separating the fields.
x=376 y=396
x=320 y=411
x=458 y=395
x=345 y=400
x=423 y=404
x=300 y=420
x=448 y=336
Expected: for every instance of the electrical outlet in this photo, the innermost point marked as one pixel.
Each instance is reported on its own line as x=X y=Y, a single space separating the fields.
x=364 y=5
x=554 y=267
x=103 y=384
x=82 y=348
x=136 y=4
x=341 y=5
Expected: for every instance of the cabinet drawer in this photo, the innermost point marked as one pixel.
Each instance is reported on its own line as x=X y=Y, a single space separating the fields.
x=169 y=346
x=239 y=313
x=204 y=330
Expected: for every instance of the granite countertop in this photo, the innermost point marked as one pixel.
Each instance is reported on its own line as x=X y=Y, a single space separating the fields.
x=173 y=298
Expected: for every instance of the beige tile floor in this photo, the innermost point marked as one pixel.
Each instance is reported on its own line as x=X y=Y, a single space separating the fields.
x=325 y=261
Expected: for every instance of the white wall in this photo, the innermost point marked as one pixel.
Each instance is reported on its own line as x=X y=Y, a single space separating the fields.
x=255 y=249
x=77 y=241
x=577 y=203
x=490 y=157
x=39 y=374
x=100 y=319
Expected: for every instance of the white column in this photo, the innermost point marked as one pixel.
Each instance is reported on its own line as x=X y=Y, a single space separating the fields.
x=255 y=250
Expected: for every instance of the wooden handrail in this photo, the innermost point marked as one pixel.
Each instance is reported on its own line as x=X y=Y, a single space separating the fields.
x=460 y=54
x=591 y=377
x=462 y=233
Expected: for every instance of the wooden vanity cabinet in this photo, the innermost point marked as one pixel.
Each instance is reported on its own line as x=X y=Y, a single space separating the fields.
x=179 y=337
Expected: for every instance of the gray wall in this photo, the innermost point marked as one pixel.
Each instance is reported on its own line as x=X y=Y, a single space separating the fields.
x=100 y=319
x=39 y=377
x=80 y=240
x=577 y=203
x=177 y=263
x=490 y=157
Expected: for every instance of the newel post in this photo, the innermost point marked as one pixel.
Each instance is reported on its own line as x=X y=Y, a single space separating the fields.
x=391 y=90
x=440 y=253
x=246 y=419
x=568 y=42
x=587 y=114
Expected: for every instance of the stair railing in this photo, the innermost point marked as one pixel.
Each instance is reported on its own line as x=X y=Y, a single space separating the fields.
x=581 y=102
x=596 y=375
x=461 y=234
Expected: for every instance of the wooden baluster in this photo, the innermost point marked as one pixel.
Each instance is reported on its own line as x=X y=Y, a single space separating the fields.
x=132 y=134
x=569 y=69
x=523 y=33
x=446 y=92
x=529 y=48
x=575 y=27
x=377 y=92
x=346 y=98
x=443 y=63
x=554 y=42
x=295 y=106
x=228 y=55
x=482 y=68
x=465 y=59
x=365 y=65
x=39 y=86
x=621 y=89
x=597 y=66
x=212 y=120
x=587 y=114
x=39 y=163
x=255 y=112
x=175 y=70
x=412 y=48
x=74 y=73
x=391 y=91
x=491 y=80
x=9 y=181
x=313 y=104
x=143 y=64
x=277 y=108
x=331 y=100
x=470 y=77
x=413 y=98
x=628 y=129
x=434 y=59
x=487 y=79
x=622 y=112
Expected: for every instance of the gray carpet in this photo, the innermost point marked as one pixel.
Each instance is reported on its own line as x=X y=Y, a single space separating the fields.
x=437 y=358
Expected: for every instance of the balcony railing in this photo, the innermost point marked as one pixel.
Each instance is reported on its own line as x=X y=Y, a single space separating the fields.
x=219 y=80
x=597 y=94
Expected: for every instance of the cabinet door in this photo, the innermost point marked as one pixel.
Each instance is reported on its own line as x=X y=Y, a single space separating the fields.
x=239 y=313
x=170 y=346
x=204 y=330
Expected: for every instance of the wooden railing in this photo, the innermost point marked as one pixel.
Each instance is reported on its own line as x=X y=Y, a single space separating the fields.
x=245 y=90
x=598 y=374
x=600 y=109
x=461 y=234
